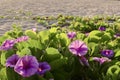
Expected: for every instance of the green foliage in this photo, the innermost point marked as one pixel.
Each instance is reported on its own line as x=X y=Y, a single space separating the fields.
x=52 y=54
x=52 y=46
x=23 y=52
x=31 y=34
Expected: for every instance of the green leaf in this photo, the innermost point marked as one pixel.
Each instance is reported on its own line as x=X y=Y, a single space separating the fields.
x=57 y=64
x=35 y=44
x=44 y=36
x=106 y=37
x=4 y=55
x=52 y=54
x=63 y=39
x=77 y=24
x=93 y=47
x=114 y=72
x=112 y=44
x=61 y=74
x=23 y=52
x=53 y=30
x=80 y=36
x=49 y=75
x=11 y=74
x=31 y=34
x=3 y=58
x=22 y=45
x=96 y=33
x=3 y=75
x=117 y=54
x=94 y=39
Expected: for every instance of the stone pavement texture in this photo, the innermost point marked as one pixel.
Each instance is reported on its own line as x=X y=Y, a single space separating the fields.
x=13 y=9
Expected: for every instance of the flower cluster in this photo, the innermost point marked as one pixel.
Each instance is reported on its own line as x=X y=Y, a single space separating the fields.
x=21 y=39
x=27 y=65
x=8 y=44
x=79 y=48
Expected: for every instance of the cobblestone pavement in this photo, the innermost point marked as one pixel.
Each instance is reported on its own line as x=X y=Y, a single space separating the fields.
x=15 y=9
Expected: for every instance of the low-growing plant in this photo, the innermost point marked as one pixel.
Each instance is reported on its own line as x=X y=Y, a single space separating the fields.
x=86 y=49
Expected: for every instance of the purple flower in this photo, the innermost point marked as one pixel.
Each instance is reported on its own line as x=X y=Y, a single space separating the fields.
x=71 y=35
x=83 y=61
x=101 y=60
x=43 y=67
x=107 y=53
x=117 y=35
x=78 y=48
x=12 y=60
x=8 y=44
x=21 y=39
x=102 y=28
x=26 y=66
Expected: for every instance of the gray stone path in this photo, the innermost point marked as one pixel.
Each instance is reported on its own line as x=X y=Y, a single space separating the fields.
x=13 y=9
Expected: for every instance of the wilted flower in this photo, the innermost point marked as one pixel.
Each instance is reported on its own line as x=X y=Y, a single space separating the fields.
x=83 y=61
x=107 y=53
x=12 y=60
x=43 y=68
x=7 y=44
x=71 y=35
x=78 y=48
x=101 y=60
x=26 y=66
x=102 y=28
x=21 y=39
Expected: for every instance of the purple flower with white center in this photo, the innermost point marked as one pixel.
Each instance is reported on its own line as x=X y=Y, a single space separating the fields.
x=78 y=48
x=107 y=53
x=27 y=66
x=101 y=60
x=12 y=60
x=117 y=35
x=7 y=44
x=43 y=68
x=71 y=35
x=102 y=28
x=21 y=39
x=83 y=61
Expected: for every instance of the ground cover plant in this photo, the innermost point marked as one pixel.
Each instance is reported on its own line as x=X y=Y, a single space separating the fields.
x=71 y=48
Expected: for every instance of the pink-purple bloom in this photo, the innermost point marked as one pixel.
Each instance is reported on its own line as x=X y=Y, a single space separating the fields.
x=21 y=39
x=7 y=44
x=78 y=48
x=101 y=60
x=27 y=66
x=102 y=28
x=107 y=53
x=43 y=68
x=12 y=60
x=34 y=29
x=83 y=61
x=71 y=35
